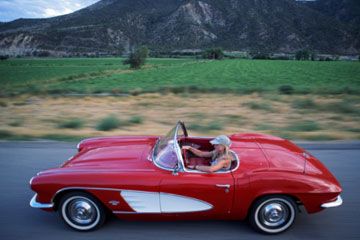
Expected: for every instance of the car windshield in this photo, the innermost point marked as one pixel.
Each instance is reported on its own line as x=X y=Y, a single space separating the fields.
x=165 y=151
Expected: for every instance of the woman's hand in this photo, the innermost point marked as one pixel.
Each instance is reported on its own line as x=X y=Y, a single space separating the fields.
x=186 y=147
x=191 y=166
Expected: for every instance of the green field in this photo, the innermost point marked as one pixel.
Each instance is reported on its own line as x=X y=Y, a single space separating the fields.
x=95 y=75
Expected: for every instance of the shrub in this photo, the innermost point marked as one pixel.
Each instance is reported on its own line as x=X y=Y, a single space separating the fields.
x=107 y=124
x=258 y=106
x=302 y=55
x=213 y=53
x=313 y=56
x=4 y=57
x=280 y=58
x=72 y=123
x=341 y=107
x=16 y=123
x=3 y=104
x=136 y=91
x=5 y=134
x=303 y=103
x=136 y=120
x=286 y=89
x=35 y=89
x=137 y=58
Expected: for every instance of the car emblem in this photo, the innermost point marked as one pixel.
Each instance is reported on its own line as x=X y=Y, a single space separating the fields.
x=114 y=202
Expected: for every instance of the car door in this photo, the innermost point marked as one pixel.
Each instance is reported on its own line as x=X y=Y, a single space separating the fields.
x=208 y=194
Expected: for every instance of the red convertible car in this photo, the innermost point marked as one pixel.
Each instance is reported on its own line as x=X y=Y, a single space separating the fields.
x=147 y=178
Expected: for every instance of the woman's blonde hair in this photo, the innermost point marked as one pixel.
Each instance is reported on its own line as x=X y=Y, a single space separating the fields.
x=226 y=152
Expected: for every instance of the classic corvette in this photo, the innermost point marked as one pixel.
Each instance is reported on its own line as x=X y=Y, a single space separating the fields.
x=147 y=178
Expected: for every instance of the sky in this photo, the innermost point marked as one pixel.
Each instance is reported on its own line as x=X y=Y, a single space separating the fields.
x=13 y=9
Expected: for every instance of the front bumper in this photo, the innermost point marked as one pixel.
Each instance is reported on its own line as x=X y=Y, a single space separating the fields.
x=35 y=204
x=338 y=201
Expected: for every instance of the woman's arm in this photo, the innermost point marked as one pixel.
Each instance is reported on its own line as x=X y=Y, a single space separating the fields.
x=214 y=168
x=197 y=152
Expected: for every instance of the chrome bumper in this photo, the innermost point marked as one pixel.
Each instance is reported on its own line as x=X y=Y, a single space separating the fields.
x=35 y=204
x=335 y=203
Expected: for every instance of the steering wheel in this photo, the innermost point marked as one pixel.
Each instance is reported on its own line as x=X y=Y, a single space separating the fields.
x=184 y=153
x=179 y=143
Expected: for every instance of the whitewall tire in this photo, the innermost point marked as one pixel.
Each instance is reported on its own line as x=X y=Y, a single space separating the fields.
x=273 y=214
x=81 y=211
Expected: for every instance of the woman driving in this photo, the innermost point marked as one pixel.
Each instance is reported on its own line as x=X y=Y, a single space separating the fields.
x=220 y=156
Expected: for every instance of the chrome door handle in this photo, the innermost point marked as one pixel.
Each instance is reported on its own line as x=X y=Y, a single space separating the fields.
x=223 y=185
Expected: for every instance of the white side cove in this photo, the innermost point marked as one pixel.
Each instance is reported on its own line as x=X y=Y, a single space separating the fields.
x=154 y=202
x=171 y=203
x=144 y=202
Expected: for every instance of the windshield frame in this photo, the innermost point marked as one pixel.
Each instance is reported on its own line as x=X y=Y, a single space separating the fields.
x=170 y=138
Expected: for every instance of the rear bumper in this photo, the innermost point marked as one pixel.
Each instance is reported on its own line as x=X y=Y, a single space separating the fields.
x=338 y=201
x=35 y=204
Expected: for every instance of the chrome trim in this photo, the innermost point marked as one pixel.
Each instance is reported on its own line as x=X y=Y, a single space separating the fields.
x=114 y=202
x=127 y=212
x=81 y=211
x=30 y=181
x=223 y=185
x=106 y=170
x=81 y=214
x=80 y=188
x=265 y=223
x=150 y=156
x=273 y=215
x=335 y=203
x=78 y=145
x=52 y=203
x=35 y=204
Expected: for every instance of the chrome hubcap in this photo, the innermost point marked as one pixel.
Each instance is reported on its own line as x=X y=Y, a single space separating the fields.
x=81 y=211
x=274 y=214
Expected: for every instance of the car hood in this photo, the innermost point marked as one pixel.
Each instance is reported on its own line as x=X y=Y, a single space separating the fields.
x=113 y=153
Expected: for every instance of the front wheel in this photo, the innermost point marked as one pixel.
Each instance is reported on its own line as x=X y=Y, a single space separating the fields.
x=81 y=211
x=273 y=214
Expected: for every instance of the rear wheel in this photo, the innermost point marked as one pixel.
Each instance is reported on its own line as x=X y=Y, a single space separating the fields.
x=81 y=211
x=273 y=214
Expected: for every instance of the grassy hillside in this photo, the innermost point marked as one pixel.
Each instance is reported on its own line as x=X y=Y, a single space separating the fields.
x=96 y=75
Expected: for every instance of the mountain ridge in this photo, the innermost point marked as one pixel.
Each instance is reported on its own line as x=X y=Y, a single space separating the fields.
x=117 y=26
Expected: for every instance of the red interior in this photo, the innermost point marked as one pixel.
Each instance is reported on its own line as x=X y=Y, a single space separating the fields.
x=202 y=144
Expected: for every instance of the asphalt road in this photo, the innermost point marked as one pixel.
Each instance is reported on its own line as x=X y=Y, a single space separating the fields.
x=19 y=161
